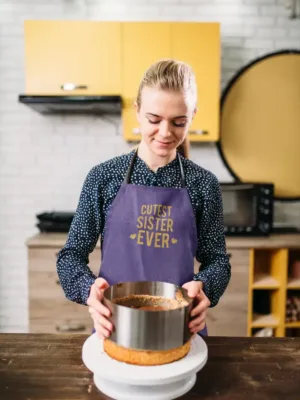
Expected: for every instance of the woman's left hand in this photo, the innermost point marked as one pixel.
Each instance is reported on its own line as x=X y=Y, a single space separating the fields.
x=198 y=313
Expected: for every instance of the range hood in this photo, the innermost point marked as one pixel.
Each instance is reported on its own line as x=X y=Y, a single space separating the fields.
x=96 y=105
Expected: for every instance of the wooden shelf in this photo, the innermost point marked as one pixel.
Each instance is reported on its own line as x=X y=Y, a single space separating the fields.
x=293 y=284
x=264 y=281
x=270 y=283
x=292 y=324
x=267 y=289
x=263 y=321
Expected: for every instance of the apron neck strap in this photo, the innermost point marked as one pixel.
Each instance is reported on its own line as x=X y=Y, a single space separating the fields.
x=183 y=184
x=129 y=171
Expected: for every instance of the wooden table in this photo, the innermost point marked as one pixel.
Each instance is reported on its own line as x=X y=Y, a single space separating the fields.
x=49 y=367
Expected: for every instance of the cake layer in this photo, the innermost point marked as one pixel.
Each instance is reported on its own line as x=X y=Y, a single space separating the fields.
x=145 y=357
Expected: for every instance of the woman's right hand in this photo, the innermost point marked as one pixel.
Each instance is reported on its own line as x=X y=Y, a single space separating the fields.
x=98 y=311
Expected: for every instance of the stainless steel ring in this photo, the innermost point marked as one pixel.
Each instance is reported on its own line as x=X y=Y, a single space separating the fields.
x=148 y=330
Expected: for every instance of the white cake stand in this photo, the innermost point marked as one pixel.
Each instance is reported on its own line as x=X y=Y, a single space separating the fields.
x=123 y=381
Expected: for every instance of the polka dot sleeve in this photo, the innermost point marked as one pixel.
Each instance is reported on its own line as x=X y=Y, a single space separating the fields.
x=75 y=276
x=215 y=269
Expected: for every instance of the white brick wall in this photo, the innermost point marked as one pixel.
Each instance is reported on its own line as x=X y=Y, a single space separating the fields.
x=44 y=160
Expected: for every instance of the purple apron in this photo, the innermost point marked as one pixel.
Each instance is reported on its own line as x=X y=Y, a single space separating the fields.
x=150 y=235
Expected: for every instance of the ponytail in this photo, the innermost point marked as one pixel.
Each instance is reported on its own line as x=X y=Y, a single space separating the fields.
x=184 y=148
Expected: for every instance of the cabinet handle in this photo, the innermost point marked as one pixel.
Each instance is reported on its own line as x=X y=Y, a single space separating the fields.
x=229 y=255
x=198 y=132
x=70 y=328
x=136 y=131
x=57 y=282
x=68 y=87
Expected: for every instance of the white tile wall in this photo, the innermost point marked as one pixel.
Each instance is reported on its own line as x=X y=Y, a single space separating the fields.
x=44 y=160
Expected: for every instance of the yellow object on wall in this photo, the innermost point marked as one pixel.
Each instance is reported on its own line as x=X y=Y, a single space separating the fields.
x=84 y=53
x=260 y=123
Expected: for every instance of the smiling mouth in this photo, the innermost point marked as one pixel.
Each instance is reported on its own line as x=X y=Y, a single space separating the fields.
x=158 y=141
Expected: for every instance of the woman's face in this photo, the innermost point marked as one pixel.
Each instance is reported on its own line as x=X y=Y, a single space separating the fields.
x=164 y=119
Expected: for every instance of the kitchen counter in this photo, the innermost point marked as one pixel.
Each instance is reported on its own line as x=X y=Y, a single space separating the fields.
x=46 y=366
x=272 y=241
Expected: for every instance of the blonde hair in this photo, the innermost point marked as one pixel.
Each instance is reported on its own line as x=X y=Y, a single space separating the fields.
x=171 y=75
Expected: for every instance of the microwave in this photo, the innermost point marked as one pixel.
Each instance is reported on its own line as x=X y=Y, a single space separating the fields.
x=247 y=208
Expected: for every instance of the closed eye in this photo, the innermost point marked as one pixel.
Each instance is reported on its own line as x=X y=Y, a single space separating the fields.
x=182 y=125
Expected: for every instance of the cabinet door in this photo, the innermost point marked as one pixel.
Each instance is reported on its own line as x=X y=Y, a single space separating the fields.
x=49 y=310
x=82 y=53
x=198 y=44
x=143 y=44
x=230 y=316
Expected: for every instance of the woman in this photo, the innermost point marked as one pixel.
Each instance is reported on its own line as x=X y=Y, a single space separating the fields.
x=154 y=209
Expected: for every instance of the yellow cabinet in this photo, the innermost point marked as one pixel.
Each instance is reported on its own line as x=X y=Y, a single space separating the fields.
x=198 y=44
x=85 y=54
x=195 y=43
x=143 y=43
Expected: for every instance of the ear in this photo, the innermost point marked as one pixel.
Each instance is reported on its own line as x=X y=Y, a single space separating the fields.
x=137 y=110
x=195 y=112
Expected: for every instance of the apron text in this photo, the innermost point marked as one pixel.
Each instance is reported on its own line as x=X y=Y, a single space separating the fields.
x=154 y=226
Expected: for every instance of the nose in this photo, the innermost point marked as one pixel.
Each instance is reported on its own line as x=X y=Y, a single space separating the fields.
x=164 y=129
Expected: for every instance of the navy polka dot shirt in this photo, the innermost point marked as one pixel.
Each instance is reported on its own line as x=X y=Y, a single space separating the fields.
x=99 y=190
